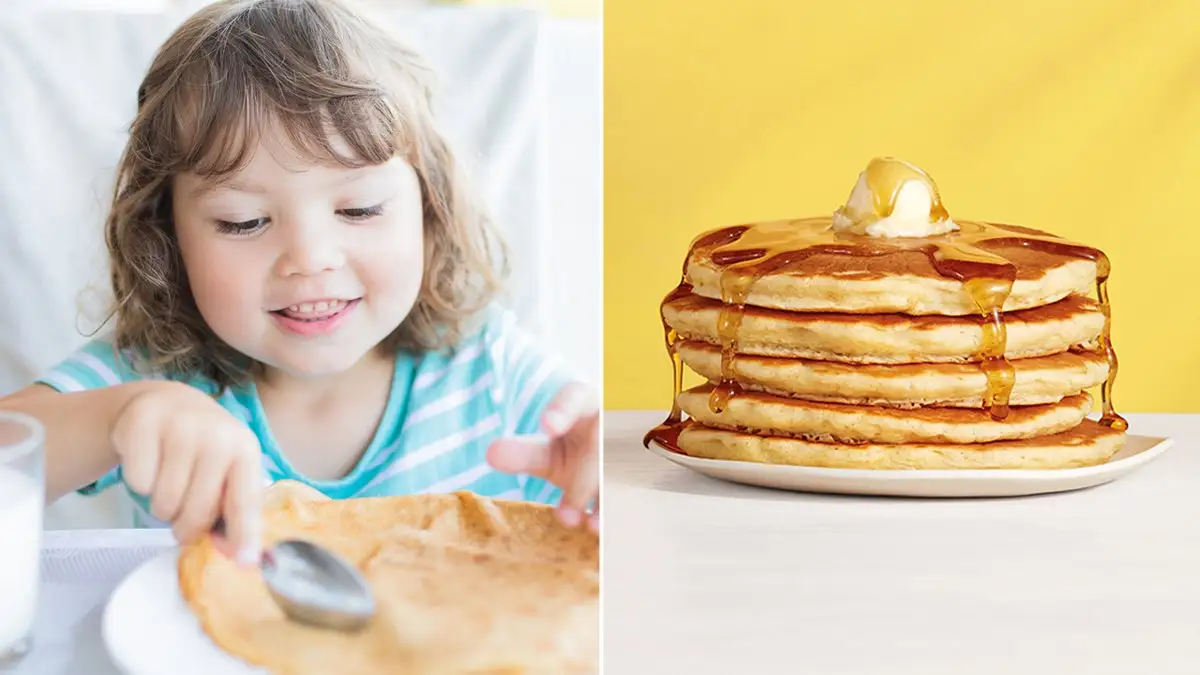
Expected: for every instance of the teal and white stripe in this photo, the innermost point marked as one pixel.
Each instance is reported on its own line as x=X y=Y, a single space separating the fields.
x=443 y=412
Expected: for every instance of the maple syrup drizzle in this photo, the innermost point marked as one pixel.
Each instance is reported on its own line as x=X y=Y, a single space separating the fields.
x=672 y=339
x=747 y=253
x=667 y=433
x=1108 y=415
x=885 y=178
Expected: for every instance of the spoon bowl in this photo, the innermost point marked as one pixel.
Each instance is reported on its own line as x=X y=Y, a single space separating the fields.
x=314 y=586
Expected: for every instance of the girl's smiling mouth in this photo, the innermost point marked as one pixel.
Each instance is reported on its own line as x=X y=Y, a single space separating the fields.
x=319 y=317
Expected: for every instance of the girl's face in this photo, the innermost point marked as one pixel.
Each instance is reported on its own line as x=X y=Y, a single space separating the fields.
x=304 y=268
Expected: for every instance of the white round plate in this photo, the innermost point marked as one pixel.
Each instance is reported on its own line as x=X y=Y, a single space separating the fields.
x=149 y=629
x=1138 y=451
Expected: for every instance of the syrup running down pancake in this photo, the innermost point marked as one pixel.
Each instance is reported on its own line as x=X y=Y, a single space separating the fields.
x=1036 y=381
x=760 y=413
x=1075 y=321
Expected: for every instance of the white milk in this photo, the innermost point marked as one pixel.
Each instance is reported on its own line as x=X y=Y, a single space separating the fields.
x=21 y=532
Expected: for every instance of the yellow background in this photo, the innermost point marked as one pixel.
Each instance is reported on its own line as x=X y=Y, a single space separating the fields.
x=1082 y=118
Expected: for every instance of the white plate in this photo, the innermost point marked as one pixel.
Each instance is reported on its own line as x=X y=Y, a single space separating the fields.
x=149 y=629
x=1138 y=451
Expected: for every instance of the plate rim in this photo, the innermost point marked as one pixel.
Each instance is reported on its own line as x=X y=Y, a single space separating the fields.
x=1160 y=445
x=108 y=627
x=114 y=599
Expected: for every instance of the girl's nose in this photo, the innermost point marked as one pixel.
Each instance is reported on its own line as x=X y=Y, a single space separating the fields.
x=311 y=249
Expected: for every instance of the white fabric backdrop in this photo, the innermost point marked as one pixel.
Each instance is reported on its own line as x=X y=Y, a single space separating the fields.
x=521 y=98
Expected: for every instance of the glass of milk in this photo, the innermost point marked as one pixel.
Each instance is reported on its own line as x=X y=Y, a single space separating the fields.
x=21 y=499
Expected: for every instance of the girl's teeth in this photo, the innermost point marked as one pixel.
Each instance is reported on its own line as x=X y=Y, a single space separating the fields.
x=317 y=307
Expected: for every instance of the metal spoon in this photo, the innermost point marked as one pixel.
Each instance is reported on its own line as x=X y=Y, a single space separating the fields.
x=315 y=586
x=311 y=584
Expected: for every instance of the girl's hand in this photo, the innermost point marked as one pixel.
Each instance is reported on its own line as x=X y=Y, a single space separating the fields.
x=195 y=462
x=570 y=459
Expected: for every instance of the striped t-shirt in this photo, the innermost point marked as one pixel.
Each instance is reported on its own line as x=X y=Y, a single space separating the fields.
x=444 y=410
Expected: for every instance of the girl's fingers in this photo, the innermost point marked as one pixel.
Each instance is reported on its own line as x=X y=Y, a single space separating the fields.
x=521 y=455
x=584 y=484
x=221 y=539
x=243 y=508
x=140 y=450
x=574 y=401
x=174 y=474
x=204 y=496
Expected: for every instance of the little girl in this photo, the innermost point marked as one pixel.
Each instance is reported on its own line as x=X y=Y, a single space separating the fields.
x=304 y=290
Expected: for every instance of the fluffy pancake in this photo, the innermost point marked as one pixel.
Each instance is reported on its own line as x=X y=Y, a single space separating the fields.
x=766 y=414
x=903 y=282
x=1045 y=379
x=462 y=585
x=1087 y=444
x=889 y=338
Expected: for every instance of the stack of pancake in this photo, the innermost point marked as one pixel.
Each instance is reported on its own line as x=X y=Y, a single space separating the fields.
x=875 y=361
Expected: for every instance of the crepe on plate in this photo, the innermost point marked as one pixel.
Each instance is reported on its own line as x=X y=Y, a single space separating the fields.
x=463 y=584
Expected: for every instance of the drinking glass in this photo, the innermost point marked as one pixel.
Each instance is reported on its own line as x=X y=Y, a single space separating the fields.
x=22 y=491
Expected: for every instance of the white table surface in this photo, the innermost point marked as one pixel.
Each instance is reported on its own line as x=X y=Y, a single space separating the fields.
x=80 y=569
x=703 y=577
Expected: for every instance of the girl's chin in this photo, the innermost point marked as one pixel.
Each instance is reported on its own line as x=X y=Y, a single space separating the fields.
x=318 y=363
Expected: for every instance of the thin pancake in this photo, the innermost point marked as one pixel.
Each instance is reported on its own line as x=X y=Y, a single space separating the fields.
x=760 y=413
x=462 y=585
x=1086 y=445
x=1045 y=379
x=889 y=338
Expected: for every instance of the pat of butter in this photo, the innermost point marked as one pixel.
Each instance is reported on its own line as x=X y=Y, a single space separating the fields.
x=893 y=199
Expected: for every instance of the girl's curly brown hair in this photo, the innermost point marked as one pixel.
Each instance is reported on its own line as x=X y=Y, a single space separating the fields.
x=317 y=69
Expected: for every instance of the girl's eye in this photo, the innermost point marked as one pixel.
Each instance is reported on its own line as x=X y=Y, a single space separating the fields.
x=363 y=213
x=243 y=227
